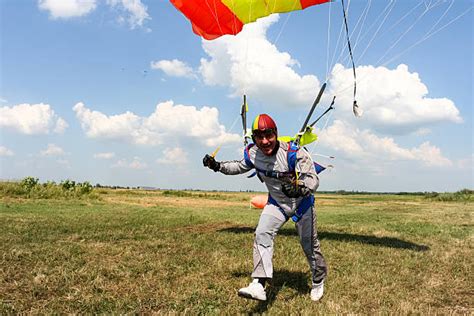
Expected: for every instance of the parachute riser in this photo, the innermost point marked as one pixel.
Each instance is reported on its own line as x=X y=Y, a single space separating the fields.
x=331 y=107
x=308 y=117
x=355 y=107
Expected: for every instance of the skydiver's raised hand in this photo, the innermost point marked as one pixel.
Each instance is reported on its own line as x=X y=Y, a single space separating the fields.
x=211 y=163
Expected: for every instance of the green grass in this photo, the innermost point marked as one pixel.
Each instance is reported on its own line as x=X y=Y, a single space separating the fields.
x=132 y=251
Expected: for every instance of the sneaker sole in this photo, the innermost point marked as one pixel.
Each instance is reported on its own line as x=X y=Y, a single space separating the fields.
x=249 y=296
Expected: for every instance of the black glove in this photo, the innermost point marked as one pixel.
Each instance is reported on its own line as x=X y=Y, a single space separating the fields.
x=211 y=163
x=291 y=190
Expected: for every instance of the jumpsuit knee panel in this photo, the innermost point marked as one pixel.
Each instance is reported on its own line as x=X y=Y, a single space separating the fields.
x=307 y=231
x=270 y=222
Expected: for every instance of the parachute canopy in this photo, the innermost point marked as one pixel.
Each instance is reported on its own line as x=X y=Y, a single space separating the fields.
x=214 y=18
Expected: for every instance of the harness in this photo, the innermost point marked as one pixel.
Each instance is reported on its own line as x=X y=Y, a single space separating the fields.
x=291 y=159
x=307 y=202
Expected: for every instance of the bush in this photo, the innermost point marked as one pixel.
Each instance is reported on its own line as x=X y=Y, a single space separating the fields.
x=465 y=195
x=12 y=189
x=30 y=187
x=85 y=187
x=68 y=185
x=48 y=190
x=177 y=193
x=29 y=183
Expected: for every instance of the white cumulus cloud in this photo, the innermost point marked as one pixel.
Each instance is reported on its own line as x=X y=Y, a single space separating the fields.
x=60 y=126
x=431 y=155
x=367 y=148
x=135 y=12
x=173 y=156
x=174 y=68
x=52 y=150
x=136 y=164
x=132 y=12
x=168 y=121
x=249 y=62
x=394 y=101
x=4 y=151
x=98 y=125
x=32 y=119
x=64 y=9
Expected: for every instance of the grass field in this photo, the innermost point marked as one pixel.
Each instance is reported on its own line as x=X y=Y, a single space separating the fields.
x=132 y=251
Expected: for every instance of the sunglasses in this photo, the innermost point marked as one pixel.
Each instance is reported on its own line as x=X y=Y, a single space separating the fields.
x=268 y=133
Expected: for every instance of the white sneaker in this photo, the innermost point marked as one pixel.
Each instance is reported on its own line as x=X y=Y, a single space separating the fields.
x=317 y=291
x=254 y=291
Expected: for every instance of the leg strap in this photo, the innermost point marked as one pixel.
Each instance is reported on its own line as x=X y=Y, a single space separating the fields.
x=306 y=203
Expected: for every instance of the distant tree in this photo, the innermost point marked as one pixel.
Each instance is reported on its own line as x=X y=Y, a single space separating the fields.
x=29 y=183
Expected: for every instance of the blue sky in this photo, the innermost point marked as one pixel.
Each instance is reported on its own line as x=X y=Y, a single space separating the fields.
x=122 y=92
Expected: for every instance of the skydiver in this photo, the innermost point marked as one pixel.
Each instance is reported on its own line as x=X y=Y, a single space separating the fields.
x=287 y=199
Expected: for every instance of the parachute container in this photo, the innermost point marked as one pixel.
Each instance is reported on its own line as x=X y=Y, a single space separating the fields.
x=213 y=18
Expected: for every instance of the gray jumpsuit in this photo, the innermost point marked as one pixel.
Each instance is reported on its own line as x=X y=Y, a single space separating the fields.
x=272 y=217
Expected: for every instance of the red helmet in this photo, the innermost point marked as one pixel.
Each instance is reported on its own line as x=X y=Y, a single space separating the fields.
x=263 y=122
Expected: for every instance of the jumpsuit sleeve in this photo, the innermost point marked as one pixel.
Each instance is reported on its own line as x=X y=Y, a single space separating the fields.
x=306 y=171
x=234 y=167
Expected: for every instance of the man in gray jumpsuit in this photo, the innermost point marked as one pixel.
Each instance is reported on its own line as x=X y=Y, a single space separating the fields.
x=288 y=198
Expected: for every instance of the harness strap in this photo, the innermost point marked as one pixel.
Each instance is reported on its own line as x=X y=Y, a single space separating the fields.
x=306 y=203
x=247 y=160
x=291 y=155
x=273 y=174
x=303 y=207
x=258 y=172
